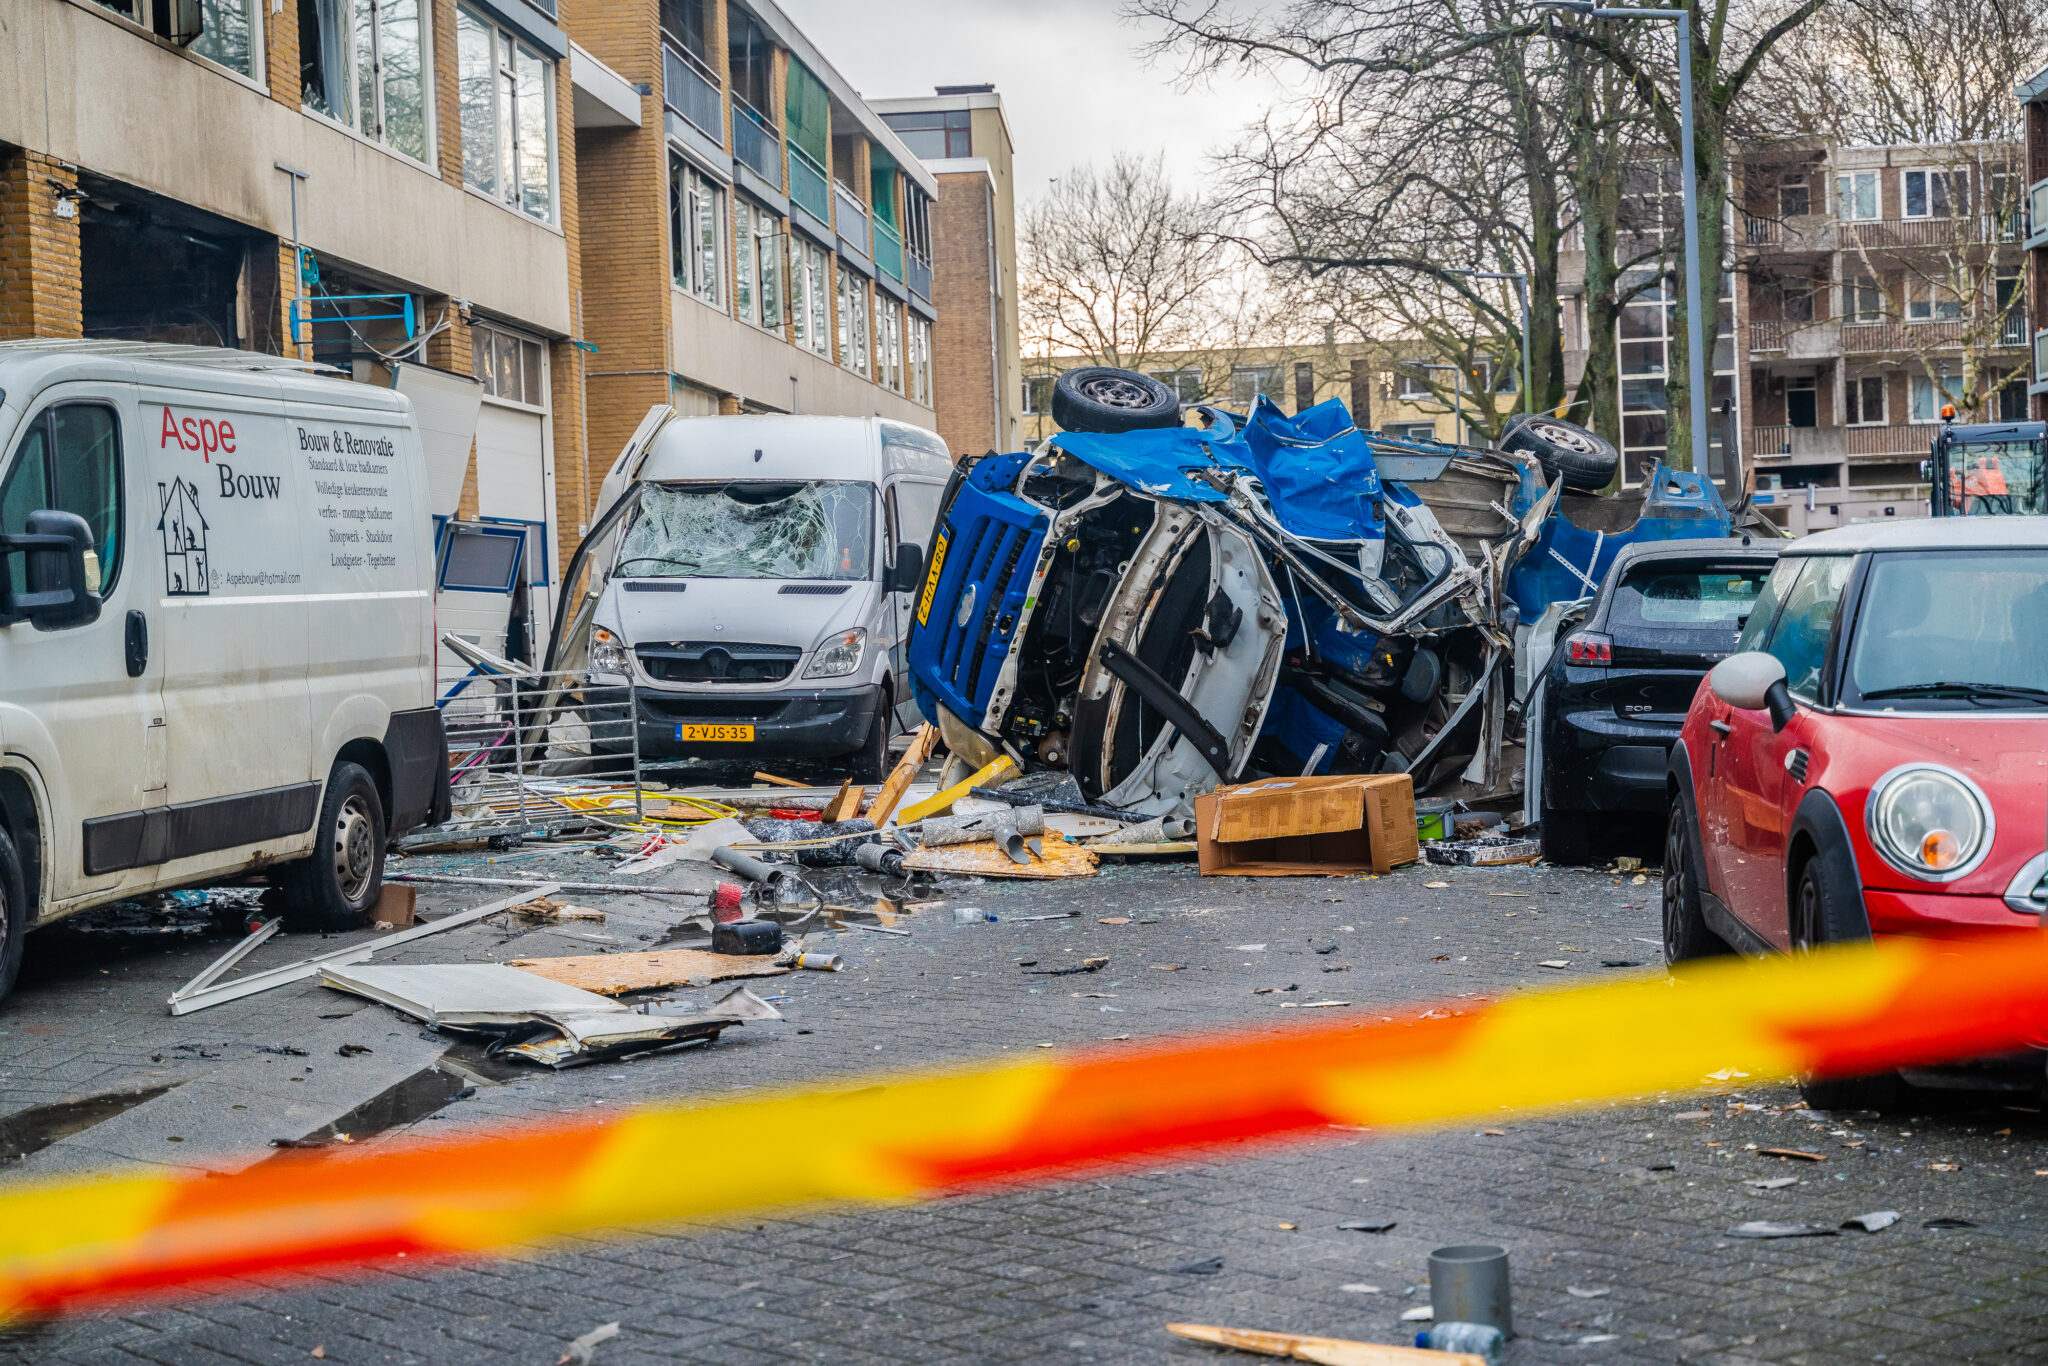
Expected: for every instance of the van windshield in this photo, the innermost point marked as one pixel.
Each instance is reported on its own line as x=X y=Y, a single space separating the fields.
x=751 y=529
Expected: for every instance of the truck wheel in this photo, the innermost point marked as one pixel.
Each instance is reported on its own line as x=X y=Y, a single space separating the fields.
x=13 y=915
x=334 y=888
x=870 y=763
x=1100 y=398
x=1686 y=935
x=1582 y=461
x=1566 y=841
x=1816 y=907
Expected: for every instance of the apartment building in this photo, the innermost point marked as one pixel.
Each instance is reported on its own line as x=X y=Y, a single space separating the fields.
x=1392 y=386
x=386 y=185
x=1876 y=285
x=761 y=241
x=962 y=137
x=2034 y=94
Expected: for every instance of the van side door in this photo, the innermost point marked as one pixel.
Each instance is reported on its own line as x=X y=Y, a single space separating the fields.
x=82 y=706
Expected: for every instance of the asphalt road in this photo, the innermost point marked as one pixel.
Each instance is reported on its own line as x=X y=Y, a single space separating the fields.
x=1614 y=1218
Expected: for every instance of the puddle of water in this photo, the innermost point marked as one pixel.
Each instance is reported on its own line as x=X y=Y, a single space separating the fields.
x=34 y=1129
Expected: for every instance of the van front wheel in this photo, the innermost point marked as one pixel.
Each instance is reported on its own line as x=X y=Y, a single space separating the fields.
x=335 y=886
x=870 y=763
x=13 y=914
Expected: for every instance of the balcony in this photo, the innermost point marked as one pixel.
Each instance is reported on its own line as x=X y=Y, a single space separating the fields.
x=888 y=251
x=689 y=88
x=756 y=142
x=1970 y=230
x=810 y=189
x=920 y=276
x=853 y=219
x=1896 y=440
x=1766 y=335
x=1772 y=443
x=1794 y=338
x=2012 y=329
x=1805 y=232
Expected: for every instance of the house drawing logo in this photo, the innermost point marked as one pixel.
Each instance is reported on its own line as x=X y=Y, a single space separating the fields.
x=184 y=532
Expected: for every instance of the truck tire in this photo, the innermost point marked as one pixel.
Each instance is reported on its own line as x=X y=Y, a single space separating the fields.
x=1815 y=908
x=1686 y=935
x=1100 y=398
x=14 y=915
x=335 y=887
x=1583 y=461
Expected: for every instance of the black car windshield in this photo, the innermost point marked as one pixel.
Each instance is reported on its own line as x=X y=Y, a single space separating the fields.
x=1997 y=478
x=1688 y=595
x=751 y=529
x=1953 y=629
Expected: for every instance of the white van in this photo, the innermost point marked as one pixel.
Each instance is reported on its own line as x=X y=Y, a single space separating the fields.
x=753 y=579
x=216 y=630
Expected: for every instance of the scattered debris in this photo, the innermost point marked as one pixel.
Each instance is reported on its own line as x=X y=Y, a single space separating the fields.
x=1791 y=1154
x=901 y=776
x=1201 y=1266
x=614 y=974
x=1488 y=851
x=212 y=973
x=1297 y=827
x=546 y=908
x=581 y=1349
x=397 y=906
x=1765 y=1228
x=354 y=1050
x=1873 y=1222
x=1330 y=1351
x=986 y=858
x=1556 y=964
x=1085 y=965
x=1369 y=1226
x=1588 y=1292
x=1773 y=1183
x=1949 y=1221
x=1421 y=1313
x=746 y=938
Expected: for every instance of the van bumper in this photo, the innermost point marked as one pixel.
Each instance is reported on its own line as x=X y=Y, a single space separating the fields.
x=791 y=723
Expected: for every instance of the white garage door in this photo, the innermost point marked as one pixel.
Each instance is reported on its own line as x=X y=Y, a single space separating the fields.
x=511 y=460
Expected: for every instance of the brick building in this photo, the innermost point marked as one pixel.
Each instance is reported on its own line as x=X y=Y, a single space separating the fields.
x=153 y=179
x=963 y=139
x=763 y=241
x=2034 y=93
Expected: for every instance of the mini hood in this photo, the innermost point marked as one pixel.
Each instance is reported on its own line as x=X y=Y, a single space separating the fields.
x=753 y=611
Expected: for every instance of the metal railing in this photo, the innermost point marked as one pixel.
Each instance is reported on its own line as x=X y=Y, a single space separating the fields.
x=1782 y=442
x=918 y=276
x=1762 y=232
x=1975 y=229
x=853 y=217
x=888 y=251
x=809 y=187
x=690 y=88
x=2013 y=329
x=520 y=745
x=1898 y=439
x=756 y=142
x=1766 y=334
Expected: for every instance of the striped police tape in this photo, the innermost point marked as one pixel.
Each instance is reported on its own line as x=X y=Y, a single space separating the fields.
x=907 y=1136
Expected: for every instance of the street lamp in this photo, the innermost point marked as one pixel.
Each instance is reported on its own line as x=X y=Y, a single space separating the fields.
x=1696 y=367
x=1521 y=280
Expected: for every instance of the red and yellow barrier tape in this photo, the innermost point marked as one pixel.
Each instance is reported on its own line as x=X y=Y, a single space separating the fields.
x=902 y=1137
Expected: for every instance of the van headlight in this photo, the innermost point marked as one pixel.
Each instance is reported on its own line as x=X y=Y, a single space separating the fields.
x=607 y=652
x=839 y=655
x=1929 y=822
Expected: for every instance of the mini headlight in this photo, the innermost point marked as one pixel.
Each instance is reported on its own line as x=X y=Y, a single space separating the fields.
x=1930 y=823
x=607 y=652
x=839 y=655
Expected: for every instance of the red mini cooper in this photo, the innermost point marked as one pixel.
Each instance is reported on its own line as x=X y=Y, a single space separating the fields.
x=1873 y=759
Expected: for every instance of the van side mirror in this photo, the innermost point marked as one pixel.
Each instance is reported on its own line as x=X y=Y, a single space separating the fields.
x=908 y=575
x=53 y=552
x=1754 y=681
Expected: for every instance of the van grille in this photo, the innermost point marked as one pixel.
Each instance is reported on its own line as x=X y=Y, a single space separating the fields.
x=970 y=649
x=672 y=709
x=716 y=661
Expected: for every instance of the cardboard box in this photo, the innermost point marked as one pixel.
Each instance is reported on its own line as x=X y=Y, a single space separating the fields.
x=395 y=907
x=1308 y=827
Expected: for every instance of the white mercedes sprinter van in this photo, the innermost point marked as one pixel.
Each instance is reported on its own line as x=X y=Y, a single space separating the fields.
x=216 y=630
x=756 y=584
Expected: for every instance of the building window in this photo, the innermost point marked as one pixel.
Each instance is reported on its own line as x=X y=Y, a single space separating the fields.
x=2012 y=402
x=1856 y=195
x=853 y=321
x=1412 y=382
x=1929 y=301
x=1304 y=386
x=513 y=368
x=888 y=343
x=935 y=135
x=365 y=63
x=1924 y=398
x=1186 y=382
x=227 y=29
x=1864 y=397
x=1795 y=197
x=1802 y=401
x=920 y=347
x=1862 y=302
x=696 y=233
x=757 y=271
x=507 y=94
x=810 y=297
x=1038 y=394
x=1412 y=431
x=1934 y=194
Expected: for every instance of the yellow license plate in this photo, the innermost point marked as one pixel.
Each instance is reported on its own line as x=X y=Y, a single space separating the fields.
x=740 y=733
x=931 y=580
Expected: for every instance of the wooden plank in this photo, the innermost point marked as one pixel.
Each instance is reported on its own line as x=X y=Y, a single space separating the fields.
x=778 y=782
x=987 y=858
x=845 y=804
x=1330 y=1351
x=611 y=974
x=905 y=773
x=995 y=775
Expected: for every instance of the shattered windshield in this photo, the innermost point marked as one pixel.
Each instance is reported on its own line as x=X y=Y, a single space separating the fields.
x=751 y=529
x=1954 y=629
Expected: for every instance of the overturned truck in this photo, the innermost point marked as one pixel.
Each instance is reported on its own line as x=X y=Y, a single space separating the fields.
x=1161 y=607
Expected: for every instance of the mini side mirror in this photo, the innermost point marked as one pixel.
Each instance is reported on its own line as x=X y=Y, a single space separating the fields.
x=57 y=592
x=908 y=575
x=1754 y=681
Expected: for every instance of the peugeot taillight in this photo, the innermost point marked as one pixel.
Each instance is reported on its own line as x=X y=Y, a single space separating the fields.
x=1589 y=648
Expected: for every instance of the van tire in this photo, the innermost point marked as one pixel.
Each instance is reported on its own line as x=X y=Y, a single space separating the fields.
x=870 y=763
x=1102 y=398
x=1583 y=461
x=13 y=914
x=335 y=887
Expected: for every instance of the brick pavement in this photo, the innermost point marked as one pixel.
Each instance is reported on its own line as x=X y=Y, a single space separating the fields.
x=1083 y=1270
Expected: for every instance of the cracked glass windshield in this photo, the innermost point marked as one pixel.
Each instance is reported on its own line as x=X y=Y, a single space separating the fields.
x=751 y=529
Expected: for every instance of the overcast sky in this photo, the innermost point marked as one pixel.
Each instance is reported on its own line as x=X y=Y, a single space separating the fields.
x=1073 y=84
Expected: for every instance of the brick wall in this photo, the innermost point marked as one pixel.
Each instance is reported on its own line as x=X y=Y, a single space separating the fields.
x=39 y=282
x=963 y=347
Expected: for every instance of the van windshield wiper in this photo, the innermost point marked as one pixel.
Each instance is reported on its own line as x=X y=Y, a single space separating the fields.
x=2008 y=692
